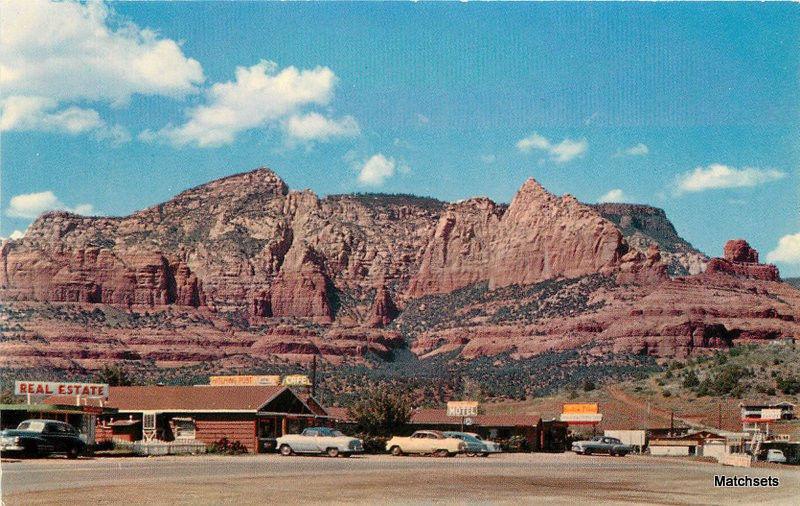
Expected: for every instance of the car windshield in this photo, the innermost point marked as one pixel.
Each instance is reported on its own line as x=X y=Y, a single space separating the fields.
x=33 y=426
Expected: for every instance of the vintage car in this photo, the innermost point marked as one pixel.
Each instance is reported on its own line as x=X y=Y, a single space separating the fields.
x=601 y=444
x=474 y=446
x=37 y=438
x=775 y=456
x=319 y=440
x=491 y=446
x=428 y=442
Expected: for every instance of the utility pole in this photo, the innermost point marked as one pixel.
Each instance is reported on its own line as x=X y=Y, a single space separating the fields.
x=672 y=423
x=719 y=416
x=314 y=376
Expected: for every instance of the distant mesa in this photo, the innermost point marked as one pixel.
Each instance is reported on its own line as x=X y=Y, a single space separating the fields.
x=741 y=260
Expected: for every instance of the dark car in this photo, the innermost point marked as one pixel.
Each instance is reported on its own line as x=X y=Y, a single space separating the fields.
x=36 y=438
x=601 y=444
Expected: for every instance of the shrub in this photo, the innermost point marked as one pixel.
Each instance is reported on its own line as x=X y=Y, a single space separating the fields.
x=789 y=386
x=381 y=411
x=666 y=393
x=225 y=446
x=690 y=380
x=513 y=444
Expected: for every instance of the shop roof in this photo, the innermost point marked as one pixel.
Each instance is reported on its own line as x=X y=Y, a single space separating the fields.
x=194 y=398
x=51 y=407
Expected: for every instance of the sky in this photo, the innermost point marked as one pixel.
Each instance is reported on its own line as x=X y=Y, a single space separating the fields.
x=106 y=109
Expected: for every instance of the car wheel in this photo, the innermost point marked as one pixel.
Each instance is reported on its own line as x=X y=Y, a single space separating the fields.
x=333 y=452
x=286 y=450
x=31 y=451
x=442 y=453
x=484 y=454
x=73 y=452
x=396 y=451
x=587 y=452
x=472 y=454
x=612 y=453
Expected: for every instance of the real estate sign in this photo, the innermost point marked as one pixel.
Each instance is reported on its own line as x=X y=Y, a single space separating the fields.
x=99 y=390
x=462 y=408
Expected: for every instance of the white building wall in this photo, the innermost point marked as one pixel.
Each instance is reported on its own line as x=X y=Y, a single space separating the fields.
x=669 y=451
x=628 y=437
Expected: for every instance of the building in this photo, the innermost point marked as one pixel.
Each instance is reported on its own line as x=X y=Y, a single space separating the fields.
x=84 y=418
x=253 y=415
x=757 y=416
x=701 y=443
x=635 y=438
x=539 y=435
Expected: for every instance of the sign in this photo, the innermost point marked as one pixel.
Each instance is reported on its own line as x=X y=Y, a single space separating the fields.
x=296 y=380
x=581 y=418
x=462 y=408
x=583 y=408
x=770 y=414
x=59 y=388
x=468 y=421
x=256 y=381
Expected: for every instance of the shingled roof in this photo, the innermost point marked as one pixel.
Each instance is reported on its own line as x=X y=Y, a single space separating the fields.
x=183 y=398
x=439 y=417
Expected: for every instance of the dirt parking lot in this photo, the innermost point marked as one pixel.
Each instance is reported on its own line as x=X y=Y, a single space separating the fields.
x=514 y=478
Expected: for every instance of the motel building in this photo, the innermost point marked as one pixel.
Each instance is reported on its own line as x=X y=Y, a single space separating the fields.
x=195 y=416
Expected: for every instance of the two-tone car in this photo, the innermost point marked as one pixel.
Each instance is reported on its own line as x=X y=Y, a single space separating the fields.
x=601 y=444
x=319 y=440
x=426 y=442
x=37 y=438
x=474 y=446
x=490 y=446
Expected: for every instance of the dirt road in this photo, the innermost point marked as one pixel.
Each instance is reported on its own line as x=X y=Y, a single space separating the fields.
x=520 y=478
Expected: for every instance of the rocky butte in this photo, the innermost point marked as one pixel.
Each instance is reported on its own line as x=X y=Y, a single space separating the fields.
x=244 y=266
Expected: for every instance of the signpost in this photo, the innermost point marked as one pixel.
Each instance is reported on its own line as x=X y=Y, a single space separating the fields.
x=464 y=410
x=581 y=413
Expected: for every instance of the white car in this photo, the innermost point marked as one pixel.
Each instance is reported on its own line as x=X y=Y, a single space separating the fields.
x=776 y=456
x=319 y=440
x=491 y=446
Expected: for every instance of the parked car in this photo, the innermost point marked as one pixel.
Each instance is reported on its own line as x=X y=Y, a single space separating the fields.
x=491 y=446
x=601 y=444
x=474 y=446
x=776 y=456
x=37 y=438
x=430 y=442
x=319 y=440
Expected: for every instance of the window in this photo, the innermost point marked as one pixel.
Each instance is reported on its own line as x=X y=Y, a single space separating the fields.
x=184 y=428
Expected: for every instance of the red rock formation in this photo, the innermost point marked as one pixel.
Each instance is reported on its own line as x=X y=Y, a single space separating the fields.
x=459 y=251
x=642 y=268
x=301 y=288
x=542 y=236
x=383 y=310
x=741 y=260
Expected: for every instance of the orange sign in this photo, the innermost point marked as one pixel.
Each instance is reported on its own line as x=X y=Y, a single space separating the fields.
x=581 y=408
x=254 y=381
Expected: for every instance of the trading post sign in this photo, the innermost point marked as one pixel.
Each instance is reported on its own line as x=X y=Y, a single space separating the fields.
x=60 y=388
x=260 y=381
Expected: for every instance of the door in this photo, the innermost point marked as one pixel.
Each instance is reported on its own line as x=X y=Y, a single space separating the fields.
x=54 y=437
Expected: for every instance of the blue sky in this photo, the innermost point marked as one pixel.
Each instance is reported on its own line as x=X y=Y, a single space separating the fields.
x=692 y=108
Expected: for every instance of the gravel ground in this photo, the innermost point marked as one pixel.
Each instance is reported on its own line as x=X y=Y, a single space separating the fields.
x=514 y=478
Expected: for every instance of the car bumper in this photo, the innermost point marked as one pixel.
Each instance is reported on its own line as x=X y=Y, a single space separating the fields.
x=11 y=448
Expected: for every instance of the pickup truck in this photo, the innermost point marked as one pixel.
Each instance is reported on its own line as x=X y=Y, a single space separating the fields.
x=601 y=444
x=319 y=440
x=36 y=438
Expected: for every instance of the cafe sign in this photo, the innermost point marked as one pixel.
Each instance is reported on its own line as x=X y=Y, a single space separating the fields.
x=60 y=388
x=296 y=380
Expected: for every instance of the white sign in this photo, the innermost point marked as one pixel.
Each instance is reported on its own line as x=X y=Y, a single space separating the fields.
x=770 y=414
x=61 y=388
x=462 y=408
x=581 y=418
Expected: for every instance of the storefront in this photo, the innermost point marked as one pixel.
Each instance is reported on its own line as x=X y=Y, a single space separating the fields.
x=83 y=418
x=252 y=415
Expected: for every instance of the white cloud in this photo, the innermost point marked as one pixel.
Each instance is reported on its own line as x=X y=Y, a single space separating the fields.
x=23 y=113
x=787 y=250
x=259 y=97
x=562 y=152
x=16 y=234
x=53 y=54
x=377 y=169
x=615 y=195
x=717 y=176
x=637 y=150
x=315 y=126
x=31 y=205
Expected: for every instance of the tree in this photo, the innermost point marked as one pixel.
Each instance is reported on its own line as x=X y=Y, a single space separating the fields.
x=114 y=375
x=691 y=380
x=380 y=411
